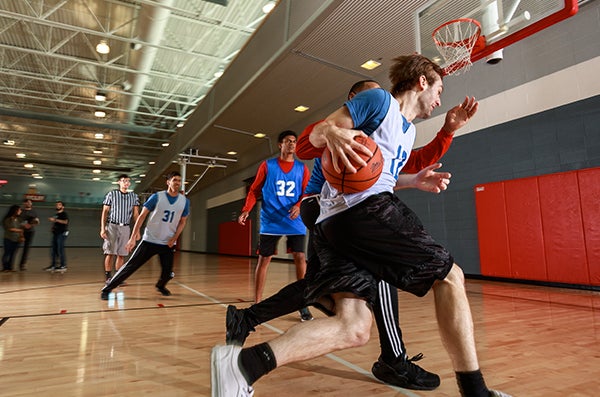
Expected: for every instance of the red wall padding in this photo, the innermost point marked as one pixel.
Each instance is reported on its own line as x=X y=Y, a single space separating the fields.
x=235 y=239
x=589 y=190
x=563 y=228
x=493 y=233
x=543 y=228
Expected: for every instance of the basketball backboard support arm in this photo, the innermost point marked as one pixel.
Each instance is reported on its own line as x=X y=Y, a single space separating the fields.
x=503 y=22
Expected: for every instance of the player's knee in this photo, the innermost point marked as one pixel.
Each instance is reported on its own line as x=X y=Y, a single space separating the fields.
x=455 y=278
x=357 y=330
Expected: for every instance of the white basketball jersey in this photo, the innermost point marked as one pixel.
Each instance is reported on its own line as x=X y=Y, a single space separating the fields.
x=162 y=222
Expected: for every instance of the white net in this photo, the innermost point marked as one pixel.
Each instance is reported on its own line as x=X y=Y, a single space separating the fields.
x=454 y=41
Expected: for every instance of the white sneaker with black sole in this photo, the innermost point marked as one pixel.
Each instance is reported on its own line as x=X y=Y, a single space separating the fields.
x=226 y=379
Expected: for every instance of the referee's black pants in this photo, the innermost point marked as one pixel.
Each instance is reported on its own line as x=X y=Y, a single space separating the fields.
x=142 y=254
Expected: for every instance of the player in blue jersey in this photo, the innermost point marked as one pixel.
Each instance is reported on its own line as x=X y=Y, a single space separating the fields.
x=167 y=213
x=281 y=182
x=364 y=237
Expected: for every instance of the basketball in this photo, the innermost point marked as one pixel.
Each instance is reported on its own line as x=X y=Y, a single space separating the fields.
x=364 y=178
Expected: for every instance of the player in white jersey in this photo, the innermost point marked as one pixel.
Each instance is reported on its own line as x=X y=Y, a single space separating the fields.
x=167 y=213
x=369 y=236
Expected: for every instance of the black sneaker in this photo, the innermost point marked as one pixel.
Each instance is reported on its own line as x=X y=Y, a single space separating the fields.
x=305 y=314
x=163 y=291
x=237 y=326
x=104 y=295
x=404 y=373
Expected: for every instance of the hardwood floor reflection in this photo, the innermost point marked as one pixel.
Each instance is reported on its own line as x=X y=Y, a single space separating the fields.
x=57 y=338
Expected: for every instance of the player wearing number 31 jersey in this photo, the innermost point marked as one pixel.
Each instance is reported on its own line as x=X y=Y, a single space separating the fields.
x=167 y=213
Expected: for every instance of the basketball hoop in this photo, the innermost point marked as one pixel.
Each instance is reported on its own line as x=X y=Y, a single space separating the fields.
x=455 y=41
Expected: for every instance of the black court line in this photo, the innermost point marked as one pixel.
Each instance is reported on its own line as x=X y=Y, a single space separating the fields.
x=111 y=310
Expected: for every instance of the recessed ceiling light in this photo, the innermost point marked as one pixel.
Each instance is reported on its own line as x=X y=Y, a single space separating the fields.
x=100 y=113
x=151 y=162
x=100 y=96
x=102 y=47
x=267 y=8
x=99 y=135
x=232 y=153
x=165 y=144
x=370 y=64
x=21 y=155
x=259 y=135
x=97 y=162
x=96 y=171
x=28 y=165
x=301 y=108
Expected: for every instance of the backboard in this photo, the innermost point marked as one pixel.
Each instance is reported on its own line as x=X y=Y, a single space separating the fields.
x=503 y=22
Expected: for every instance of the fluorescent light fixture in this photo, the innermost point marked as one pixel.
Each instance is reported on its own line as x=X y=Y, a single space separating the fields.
x=97 y=162
x=95 y=179
x=218 y=73
x=99 y=135
x=165 y=144
x=28 y=165
x=96 y=171
x=180 y=124
x=370 y=64
x=38 y=177
x=100 y=113
x=21 y=155
x=232 y=153
x=151 y=162
x=142 y=175
x=98 y=151
x=260 y=135
x=267 y=8
x=102 y=47
x=9 y=142
x=301 y=108
x=100 y=96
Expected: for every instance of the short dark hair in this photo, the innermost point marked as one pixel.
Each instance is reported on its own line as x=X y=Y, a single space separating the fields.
x=285 y=133
x=172 y=174
x=58 y=201
x=123 y=176
x=359 y=86
x=407 y=69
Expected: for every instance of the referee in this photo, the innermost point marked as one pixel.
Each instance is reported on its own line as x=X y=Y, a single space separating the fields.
x=118 y=207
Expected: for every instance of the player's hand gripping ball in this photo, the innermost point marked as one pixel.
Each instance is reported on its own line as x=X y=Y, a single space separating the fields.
x=364 y=178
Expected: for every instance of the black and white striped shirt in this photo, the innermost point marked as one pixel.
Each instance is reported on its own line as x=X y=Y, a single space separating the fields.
x=121 y=206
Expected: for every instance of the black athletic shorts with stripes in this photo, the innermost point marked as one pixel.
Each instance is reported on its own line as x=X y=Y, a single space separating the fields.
x=378 y=239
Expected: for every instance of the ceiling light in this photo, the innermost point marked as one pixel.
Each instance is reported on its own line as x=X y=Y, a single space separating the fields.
x=301 y=108
x=142 y=175
x=232 y=153
x=260 y=135
x=28 y=165
x=99 y=135
x=267 y=8
x=21 y=155
x=138 y=181
x=180 y=124
x=151 y=162
x=165 y=144
x=95 y=179
x=38 y=177
x=370 y=64
x=34 y=175
x=97 y=162
x=126 y=85
x=102 y=47
x=96 y=171
x=98 y=151
x=9 y=142
x=100 y=96
x=100 y=113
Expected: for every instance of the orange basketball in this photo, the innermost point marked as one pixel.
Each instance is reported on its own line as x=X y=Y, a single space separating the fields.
x=364 y=178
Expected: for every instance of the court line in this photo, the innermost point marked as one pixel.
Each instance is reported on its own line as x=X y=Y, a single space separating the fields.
x=331 y=356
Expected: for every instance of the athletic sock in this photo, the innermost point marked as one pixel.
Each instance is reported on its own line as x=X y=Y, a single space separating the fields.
x=257 y=361
x=471 y=384
x=107 y=275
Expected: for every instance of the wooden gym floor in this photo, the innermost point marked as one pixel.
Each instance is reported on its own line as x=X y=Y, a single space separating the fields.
x=57 y=338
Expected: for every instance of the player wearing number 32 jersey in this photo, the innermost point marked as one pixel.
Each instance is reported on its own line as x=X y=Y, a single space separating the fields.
x=167 y=213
